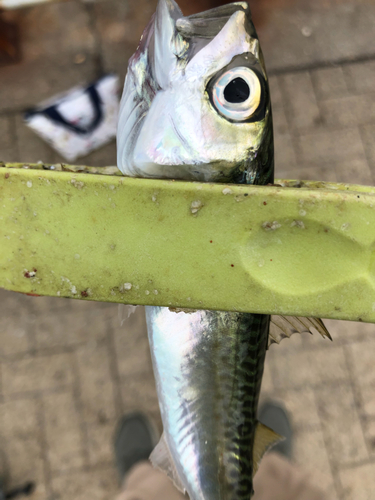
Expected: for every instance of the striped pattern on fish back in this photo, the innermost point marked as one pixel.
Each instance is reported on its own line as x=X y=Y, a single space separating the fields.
x=211 y=400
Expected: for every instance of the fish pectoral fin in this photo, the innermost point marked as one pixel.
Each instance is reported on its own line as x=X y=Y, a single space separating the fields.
x=161 y=459
x=285 y=326
x=264 y=439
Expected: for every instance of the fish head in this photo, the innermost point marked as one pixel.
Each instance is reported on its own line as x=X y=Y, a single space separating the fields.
x=196 y=102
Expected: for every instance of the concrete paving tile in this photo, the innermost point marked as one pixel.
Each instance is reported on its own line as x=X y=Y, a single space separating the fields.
x=361 y=76
x=120 y=25
x=100 y=442
x=97 y=391
x=105 y=156
x=280 y=123
x=62 y=430
x=329 y=83
x=332 y=494
x=267 y=382
x=37 y=374
x=341 y=423
x=31 y=147
x=308 y=172
x=6 y=132
x=285 y=158
x=73 y=323
x=347 y=332
x=361 y=357
x=52 y=36
x=95 y=484
x=368 y=134
x=348 y=111
x=25 y=462
x=55 y=28
x=316 y=341
x=277 y=97
x=46 y=77
x=300 y=369
x=354 y=172
x=17 y=321
x=19 y=419
x=358 y=482
x=328 y=23
x=44 y=305
x=309 y=453
x=139 y=393
x=369 y=430
x=8 y=147
x=301 y=99
x=301 y=407
x=331 y=146
x=131 y=343
x=341 y=112
x=318 y=172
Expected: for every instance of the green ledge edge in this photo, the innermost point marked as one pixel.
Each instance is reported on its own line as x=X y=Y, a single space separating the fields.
x=297 y=248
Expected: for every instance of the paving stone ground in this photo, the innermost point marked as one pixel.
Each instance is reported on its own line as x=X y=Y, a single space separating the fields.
x=70 y=369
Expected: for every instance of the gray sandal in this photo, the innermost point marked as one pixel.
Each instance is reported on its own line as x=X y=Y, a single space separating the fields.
x=135 y=438
x=275 y=416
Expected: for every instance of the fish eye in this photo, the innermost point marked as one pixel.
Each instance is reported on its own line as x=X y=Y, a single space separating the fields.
x=237 y=93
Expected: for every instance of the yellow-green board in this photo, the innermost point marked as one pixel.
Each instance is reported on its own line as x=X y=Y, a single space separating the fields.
x=307 y=251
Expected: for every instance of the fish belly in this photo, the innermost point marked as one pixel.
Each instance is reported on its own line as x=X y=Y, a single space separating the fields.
x=208 y=368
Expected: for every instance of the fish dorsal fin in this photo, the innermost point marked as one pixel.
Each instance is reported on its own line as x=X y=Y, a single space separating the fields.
x=161 y=459
x=264 y=439
x=285 y=326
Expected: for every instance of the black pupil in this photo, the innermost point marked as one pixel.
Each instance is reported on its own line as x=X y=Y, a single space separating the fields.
x=237 y=91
